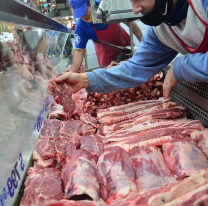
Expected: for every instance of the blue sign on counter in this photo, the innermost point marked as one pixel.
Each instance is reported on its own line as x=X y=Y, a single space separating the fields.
x=13 y=180
x=39 y=120
x=15 y=176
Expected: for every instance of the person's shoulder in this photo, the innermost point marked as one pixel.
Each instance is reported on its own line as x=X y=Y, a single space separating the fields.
x=82 y=24
x=79 y=22
x=205 y=4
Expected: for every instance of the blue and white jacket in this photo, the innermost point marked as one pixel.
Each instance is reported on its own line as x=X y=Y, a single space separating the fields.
x=158 y=48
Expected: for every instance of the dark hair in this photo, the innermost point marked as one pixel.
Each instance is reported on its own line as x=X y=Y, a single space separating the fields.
x=88 y=3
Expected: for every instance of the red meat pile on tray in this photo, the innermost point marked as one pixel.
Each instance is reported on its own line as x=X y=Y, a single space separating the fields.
x=151 y=90
x=140 y=153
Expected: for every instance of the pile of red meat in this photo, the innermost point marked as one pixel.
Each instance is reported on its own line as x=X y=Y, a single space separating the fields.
x=151 y=154
x=66 y=104
x=140 y=153
x=152 y=90
x=91 y=103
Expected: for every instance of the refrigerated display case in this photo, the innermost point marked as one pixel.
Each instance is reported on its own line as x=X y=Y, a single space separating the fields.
x=31 y=50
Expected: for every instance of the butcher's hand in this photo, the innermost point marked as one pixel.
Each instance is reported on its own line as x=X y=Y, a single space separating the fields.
x=169 y=82
x=77 y=81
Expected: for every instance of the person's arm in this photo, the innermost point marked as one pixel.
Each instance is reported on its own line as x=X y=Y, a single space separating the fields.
x=151 y=57
x=81 y=40
x=136 y=30
x=77 y=59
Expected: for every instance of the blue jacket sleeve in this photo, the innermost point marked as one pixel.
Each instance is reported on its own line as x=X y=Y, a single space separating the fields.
x=192 y=67
x=151 y=57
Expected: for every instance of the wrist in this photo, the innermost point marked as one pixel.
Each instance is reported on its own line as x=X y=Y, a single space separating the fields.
x=73 y=70
x=85 y=80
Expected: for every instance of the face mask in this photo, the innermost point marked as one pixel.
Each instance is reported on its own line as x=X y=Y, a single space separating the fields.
x=89 y=20
x=159 y=14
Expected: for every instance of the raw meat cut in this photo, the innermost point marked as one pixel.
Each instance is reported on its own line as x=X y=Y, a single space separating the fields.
x=152 y=113
x=182 y=188
x=191 y=198
x=78 y=108
x=88 y=119
x=51 y=129
x=64 y=148
x=166 y=194
x=202 y=201
x=151 y=90
x=201 y=138
x=191 y=123
x=93 y=144
x=116 y=175
x=42 y=186
x=35 y=165
x=121 y=135
x=194 y=124
x=70 y=127
x=86 y=129
x=73 y=203
x=49 y=133
x=184 y=159
x=126 y=121
x=57 y=112
x=139 y=199
x=151 y=170
x=44 y=153
x=164 y=111
x=55 y=165
x=62 y=93
x=108 y=129
x=155 y=137
x=117 y=109
x=129 y=108
x=80 y=176
x=55 y=124
x=80 y=95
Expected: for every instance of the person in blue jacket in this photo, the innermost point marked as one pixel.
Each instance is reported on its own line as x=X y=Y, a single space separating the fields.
x=177 y=26
x=85 y=30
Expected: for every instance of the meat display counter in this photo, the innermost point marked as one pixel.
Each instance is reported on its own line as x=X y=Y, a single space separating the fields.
x=31 y=48
x=30 y=54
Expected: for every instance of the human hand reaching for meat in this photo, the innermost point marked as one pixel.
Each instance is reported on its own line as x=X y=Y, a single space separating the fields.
x=169 y=82
x=77 y=81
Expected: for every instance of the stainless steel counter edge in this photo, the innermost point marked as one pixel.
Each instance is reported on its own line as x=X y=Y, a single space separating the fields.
x=12 y=11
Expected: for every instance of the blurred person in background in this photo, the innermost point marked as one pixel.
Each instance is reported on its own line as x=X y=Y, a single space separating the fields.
x=109 y=33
